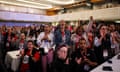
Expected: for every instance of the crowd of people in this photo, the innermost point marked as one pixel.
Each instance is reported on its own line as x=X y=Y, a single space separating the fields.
x=63 y=48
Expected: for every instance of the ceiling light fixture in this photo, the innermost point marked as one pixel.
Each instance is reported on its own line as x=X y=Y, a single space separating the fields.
x=88 y=4
x=31 y=2
x=61 y=2
x=118 y=21
x=40 y=6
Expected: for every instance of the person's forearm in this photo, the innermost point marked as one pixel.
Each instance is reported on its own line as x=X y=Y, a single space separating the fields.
x=97 y=41
x=100 y=39
x=91 y=62
x=117 y=39
x=35 y=60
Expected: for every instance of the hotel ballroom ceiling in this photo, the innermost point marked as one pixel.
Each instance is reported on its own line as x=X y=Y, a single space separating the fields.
x=40 y=4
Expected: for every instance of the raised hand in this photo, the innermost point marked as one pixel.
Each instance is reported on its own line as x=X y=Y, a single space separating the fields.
x=67 y=61
x=90 y=62
x=91 y=17
x=102 y=34
x=78 y=60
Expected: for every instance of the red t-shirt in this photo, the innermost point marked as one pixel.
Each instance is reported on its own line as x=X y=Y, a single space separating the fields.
x=25 y=67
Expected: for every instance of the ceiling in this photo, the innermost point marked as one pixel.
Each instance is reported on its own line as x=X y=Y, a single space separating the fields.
x=39 y=4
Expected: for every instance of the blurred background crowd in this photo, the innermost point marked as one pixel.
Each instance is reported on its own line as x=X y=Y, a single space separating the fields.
x=62 y=48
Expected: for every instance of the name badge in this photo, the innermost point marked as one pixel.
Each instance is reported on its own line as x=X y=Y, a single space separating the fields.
x=46 y=49
x=105 y=53
x=26 y=59
x=86 y=67
x=21 y=45
x=7 y=44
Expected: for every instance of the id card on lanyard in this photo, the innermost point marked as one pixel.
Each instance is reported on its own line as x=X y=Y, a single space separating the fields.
x=8 y=41
x=105 y=53
x=21 y=46
x=7 y=44
x=46 y=49
x=26 y=59
x=86 y=67
x=63 y=39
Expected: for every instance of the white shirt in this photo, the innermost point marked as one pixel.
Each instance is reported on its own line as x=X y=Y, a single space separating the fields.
x=97 y=42
x=31 y=38
x=45 y=44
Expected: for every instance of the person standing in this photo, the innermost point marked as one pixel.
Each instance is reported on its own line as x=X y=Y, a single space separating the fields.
x=115 y=40
x=45 y=42
x=21 y=43
x=102 y=44
x=62 y=35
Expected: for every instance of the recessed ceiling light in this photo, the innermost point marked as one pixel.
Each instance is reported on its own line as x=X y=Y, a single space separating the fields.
x=88 y=4
x=61 y=2
x=118 y=21
x=36 y=5
x=19 y=0
x=31 y=2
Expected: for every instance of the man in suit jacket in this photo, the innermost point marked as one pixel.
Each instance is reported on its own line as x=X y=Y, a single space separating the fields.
x=62 y=35
x=21 y=43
